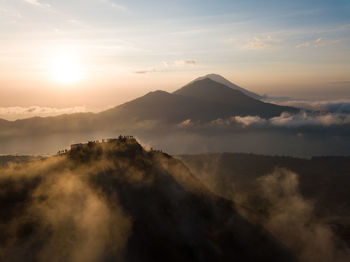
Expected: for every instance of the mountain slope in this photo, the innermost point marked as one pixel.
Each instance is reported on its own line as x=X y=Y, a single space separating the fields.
x=202 y=100
x=241 y=104
x=224 y=81
x=116 y=201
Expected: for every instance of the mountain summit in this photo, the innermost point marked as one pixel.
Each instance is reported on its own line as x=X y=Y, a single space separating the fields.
x=220 y=79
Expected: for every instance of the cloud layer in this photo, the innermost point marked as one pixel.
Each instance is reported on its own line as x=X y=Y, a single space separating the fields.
x=286 y=120
x=18 y=112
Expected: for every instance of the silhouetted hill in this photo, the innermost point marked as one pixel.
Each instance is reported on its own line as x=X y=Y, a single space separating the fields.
x=164 y=107
x=241 y=104
x=224 y=81
x=202 y=100
x=116 y=201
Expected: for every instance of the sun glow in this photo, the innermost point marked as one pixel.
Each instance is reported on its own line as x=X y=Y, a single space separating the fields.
x=66 y=68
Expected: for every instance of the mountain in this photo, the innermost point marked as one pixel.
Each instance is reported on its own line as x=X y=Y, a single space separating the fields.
x=240 y=104
x=203 y=100
x=116 y=201
x=224 y=81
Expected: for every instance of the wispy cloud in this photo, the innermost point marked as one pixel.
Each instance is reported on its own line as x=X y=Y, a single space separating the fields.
x=168 y=66
x=313 y=43
x=319 y=42
x=261 y=43
x=37 y=3
x=146 y=71
x=255 y=43
x=306 y=44
x=115 y=5
x=33 y=2
x=184 y=62
x=345 y=27
x=329 y=43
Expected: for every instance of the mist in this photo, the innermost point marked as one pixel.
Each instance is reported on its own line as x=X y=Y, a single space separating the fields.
x=292 y=220
x=63 y=217
x=275 y=202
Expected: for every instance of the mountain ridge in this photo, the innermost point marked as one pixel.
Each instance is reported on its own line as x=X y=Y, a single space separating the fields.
x=118 y=201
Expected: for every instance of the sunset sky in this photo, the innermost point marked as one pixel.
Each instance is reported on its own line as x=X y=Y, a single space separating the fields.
x=99 y=53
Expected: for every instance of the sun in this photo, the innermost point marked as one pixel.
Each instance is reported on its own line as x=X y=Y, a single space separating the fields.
x=66 y=68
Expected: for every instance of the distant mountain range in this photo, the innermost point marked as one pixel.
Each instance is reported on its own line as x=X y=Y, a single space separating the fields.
x=201 y=100
x=153 y=116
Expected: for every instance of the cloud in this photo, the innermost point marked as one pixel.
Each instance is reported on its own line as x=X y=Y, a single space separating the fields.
x=17 y=112
x=319 y=42
x=305 y=119
x=314 y=43
x=306 y=44
x=145 y=71
x=187 y=122
x=184 y=62
x=261 y=43
x=33 y=2
x=286 y=120
x=168 y=66
x=345 y=27
x=255 y=43
x=241 y=120
x=329 y=43
x=115 y=5
x=336 y=106
x=36 y=3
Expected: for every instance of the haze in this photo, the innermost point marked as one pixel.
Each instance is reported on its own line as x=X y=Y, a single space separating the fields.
x=124 y=49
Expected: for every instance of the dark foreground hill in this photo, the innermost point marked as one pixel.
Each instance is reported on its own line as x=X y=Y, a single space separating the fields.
x=116 y=201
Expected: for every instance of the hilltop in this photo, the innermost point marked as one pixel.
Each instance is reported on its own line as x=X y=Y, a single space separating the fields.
x=110 y=200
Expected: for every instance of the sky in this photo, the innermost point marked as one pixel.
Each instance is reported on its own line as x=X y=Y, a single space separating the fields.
x=94 y=54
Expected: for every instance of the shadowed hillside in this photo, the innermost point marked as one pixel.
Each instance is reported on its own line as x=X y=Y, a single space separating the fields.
x=116 y=201
x=303 y=202
x=224 y=81
x=203 y=100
